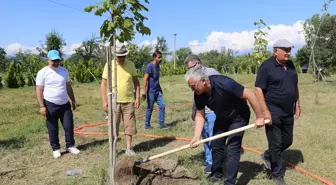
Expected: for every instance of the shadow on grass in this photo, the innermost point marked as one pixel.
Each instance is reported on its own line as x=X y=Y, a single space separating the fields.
x=151 y=144
x=5 y=123
x=293 y=156
x=174 y=123
x=95 y=143
x=249 y=171
x=13 y=143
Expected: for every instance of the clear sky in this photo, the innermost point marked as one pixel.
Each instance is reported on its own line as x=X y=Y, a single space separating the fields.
x=201 y=24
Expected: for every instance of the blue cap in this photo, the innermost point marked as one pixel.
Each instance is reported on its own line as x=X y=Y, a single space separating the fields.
x=54 y=55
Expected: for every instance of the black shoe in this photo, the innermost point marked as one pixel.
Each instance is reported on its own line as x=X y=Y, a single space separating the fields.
x=164 y=127
x=215 y=177
x=279 y=181
x=266 y=161
x=148 y=128
x=208 y=168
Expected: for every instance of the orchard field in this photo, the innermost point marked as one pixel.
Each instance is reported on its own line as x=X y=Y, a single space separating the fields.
x=26 y=157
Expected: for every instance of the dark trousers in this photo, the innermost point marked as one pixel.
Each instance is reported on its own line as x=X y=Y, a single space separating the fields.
x=64 y=114
x=280 y=137
x=234 y=143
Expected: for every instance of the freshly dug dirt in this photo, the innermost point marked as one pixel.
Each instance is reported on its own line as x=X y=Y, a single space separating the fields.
x=160 y=172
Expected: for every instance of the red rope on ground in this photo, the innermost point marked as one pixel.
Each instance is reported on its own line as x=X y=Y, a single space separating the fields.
x=76 y=131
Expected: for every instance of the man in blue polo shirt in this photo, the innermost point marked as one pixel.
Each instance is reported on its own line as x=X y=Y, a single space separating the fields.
x=276 y=88
x=154 y=91
x=227 y=99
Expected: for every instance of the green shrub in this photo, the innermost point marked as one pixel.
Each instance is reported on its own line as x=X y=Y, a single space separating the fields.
x=14 y=77
x=1 y=82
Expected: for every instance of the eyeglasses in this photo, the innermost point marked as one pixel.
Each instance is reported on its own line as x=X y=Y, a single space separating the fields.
x=287 y=50
x=192 y=66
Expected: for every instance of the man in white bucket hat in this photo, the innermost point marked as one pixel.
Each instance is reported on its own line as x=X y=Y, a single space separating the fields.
x=127 y=82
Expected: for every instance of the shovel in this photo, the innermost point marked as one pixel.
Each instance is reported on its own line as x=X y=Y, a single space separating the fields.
x=199 y=142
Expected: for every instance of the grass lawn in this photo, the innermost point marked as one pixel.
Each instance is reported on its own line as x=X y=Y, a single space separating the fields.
x=26 y=157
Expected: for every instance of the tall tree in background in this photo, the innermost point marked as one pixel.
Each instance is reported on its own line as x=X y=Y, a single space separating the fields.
x=302 y=56
x=260 y=42
x=325 y=44
x=162 y=45
x=181 y=55
x=53 y=40
x=139 y=55
x=3 y=63
x=90 y=49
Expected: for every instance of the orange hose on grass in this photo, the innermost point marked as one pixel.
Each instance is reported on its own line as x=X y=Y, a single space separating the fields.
x=76 y=131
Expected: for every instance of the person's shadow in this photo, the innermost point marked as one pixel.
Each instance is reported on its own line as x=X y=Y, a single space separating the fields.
x=151 y=144
x=95 y=143
x=293 y=157
x=249 y=171
x=13 y=143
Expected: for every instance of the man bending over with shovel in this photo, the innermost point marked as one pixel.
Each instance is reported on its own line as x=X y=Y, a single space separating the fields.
x=227 y=99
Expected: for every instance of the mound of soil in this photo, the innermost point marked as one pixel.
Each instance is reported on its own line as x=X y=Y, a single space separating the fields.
x=160 y=172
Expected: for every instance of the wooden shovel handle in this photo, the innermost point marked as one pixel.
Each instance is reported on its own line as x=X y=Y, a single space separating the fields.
x=204 y=141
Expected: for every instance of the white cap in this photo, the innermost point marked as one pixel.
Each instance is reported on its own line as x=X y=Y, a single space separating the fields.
x=283 y=43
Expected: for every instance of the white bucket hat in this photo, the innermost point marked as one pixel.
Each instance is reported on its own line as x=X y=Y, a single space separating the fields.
x=121 y=51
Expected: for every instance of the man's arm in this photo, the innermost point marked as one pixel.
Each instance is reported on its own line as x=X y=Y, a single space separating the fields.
x=297 y=96
x=199 y=123
x=70 y=92
x=260 y=96
x=39 y=95
x=247 y=94
x=145 y=82
x=103 y=91
x=137 y=87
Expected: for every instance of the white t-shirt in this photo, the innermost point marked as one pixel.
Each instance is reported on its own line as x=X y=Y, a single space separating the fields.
x=54 y=82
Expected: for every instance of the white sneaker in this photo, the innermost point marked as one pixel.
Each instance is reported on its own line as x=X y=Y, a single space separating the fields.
x=129 y=152
x=56 y=154
x=73 y=150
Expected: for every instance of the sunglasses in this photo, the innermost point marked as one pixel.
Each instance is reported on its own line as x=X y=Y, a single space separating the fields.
x=54 y=61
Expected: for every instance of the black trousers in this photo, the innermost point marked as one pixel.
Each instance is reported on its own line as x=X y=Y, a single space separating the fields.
x=234 y=143
x=65 y=115
x=280 y=137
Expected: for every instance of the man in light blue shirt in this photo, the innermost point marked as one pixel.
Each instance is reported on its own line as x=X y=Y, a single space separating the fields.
x=210 y=117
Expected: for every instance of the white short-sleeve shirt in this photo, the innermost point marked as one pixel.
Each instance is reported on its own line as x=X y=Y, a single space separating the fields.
x=54 y=82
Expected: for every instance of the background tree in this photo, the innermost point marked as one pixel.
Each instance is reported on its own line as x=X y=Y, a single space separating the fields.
x=53 y=40
x=181 y=55
x=325 y=43
x=90 y=49
x=3 y=60
x=162 y=46
x=139 y=55
x=302 y=56
x=260 y=53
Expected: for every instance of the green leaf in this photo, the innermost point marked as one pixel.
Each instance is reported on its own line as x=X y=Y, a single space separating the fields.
x=106 y=5
x=89 y=8
x=110 y=26
x=146 y=30
x=100 y=11
x=128 y=23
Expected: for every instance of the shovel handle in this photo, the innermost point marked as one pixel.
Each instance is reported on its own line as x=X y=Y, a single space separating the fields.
x=203 y=141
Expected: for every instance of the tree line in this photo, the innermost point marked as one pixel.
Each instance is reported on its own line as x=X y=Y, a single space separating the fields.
x=87 y=62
